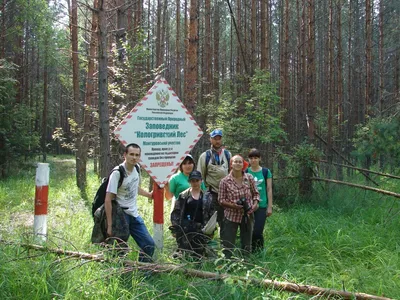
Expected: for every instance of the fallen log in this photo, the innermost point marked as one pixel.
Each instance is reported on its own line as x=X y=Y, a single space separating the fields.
x=175 y=268
x=361 y=169
x=388 y=193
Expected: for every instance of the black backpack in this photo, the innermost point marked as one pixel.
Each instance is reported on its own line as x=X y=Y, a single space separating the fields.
x=102 y=190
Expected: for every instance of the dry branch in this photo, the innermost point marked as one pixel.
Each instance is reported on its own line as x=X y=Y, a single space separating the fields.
x=174 y=268
x=388 y=193
x=345 y=159
x=361 y=169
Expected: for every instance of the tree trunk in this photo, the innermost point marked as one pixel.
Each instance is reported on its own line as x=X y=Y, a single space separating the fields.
x=253 y=36
x=368 y=57
x=83 y=152
x=263 y=37
x=311 y=103
x=45 y=102
x=284 y=74
x=104 y=122
x=158 y=35
x=216 y=53
x=178 y=49
x=176 y=268
x=80 y=162
x=330 y=80
x=207 y=50
x=3 y=30
x=191 y=73
x=305 y=184
x=381 y=53
x=120 y=35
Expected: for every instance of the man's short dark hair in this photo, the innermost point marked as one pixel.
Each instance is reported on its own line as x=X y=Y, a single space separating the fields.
x=254 y=153
x=133 y=145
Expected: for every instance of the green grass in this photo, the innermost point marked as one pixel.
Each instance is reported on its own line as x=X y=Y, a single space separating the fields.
x=342 y=238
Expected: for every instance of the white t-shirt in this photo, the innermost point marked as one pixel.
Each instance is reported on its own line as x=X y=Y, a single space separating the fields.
x=127 y=192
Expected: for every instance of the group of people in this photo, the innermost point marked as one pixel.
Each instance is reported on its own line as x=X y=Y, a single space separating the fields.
x=238 y=192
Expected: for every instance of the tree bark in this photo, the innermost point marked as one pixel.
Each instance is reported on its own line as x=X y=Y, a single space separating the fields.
x=178 y=48
x=45 y=102
x=80 y=169
x=330 y=79
x=104 y=121
x=158 y=34
x=369 y=92
x=216 y=53
x=89 y=94
x=191 y=69
x=253 y=37
x=381 y=54
x=207 y=50
x=3 y=30
x=263 y=37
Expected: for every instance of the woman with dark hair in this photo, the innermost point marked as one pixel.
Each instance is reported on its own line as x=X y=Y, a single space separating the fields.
x=179 y=182
x=263 y=179
x=239 y=197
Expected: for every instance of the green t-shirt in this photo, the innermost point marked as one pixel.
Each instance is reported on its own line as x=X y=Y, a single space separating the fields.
x=179 y=182
x=261 y=185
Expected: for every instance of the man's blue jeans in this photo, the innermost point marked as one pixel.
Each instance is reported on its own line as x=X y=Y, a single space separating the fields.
x=142 y=237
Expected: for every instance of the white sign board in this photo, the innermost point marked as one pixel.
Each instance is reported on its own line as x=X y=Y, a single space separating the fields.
x=165 y=130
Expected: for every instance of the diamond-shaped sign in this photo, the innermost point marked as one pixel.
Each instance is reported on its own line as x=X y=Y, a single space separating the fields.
x=165 y=130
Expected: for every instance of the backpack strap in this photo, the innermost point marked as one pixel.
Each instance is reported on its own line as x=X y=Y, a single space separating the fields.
x=210 y=155
x=227 y=155
x=265 y=174
x=122 y=173
x=137 y=167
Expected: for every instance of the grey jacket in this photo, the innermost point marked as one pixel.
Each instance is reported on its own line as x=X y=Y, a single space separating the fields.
x=120 y=227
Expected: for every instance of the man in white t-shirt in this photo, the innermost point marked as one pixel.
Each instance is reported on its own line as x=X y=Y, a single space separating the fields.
x=126 y=196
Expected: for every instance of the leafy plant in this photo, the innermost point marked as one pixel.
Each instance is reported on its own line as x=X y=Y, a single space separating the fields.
x=255 y=116
x=379 y=138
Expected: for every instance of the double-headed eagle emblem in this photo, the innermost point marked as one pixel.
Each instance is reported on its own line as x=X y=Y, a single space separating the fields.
x=162 y=98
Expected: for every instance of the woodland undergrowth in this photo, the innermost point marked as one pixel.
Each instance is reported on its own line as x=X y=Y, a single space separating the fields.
x=341 y=238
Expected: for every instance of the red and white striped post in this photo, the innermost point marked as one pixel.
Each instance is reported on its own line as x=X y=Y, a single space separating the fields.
x=158 y=215
x=41 y=198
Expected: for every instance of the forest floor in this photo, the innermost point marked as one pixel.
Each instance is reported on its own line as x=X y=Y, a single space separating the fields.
x=341 y=239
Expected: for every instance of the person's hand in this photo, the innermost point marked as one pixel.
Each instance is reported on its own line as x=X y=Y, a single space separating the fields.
x=237 y=206
x=253 y=208
x=150 y=196
x=109 y=231
x=269 y=211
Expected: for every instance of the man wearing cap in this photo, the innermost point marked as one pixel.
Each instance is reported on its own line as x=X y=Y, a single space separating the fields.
x=214 y=165
x=192 y=211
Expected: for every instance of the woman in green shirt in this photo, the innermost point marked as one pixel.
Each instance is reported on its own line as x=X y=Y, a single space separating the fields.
x=179 y=182
x=263 y=178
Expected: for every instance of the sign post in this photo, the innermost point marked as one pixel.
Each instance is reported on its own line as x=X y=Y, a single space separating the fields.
x=158 y=215
x=166 y=132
